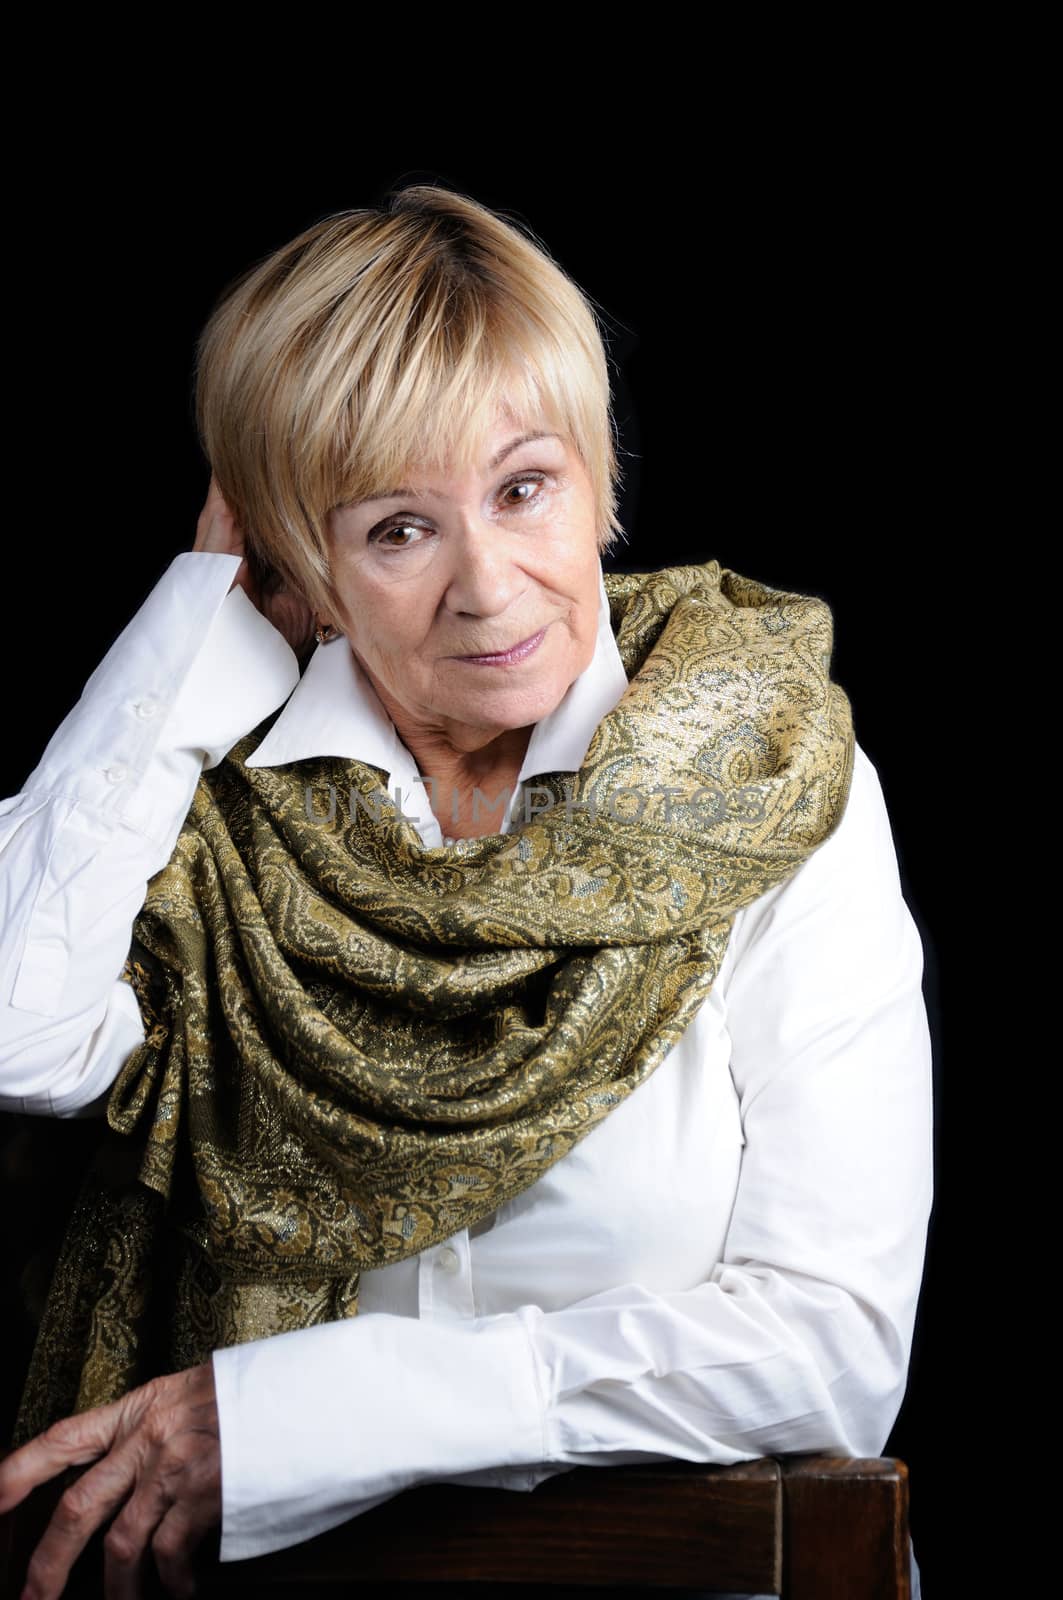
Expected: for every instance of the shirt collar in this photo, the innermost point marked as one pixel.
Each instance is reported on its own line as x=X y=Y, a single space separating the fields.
x=335 y=711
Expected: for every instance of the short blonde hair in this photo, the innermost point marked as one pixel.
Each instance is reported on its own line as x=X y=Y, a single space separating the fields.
x=380 y=341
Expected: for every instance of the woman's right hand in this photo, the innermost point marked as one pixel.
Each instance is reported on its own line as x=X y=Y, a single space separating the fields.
x=217 y=530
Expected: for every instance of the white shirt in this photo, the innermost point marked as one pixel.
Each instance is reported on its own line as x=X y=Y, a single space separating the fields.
x=726 y=1267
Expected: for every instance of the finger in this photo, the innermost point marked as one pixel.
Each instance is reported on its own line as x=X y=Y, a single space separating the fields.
x=124 y=1578
x=69 y=1443
x=216 y=528
x=175 y=1542
x=214 y=504
x=83 y=1507
x=124 y=1574
x=125 y=1548
x=180 y=1484
x=216 y=497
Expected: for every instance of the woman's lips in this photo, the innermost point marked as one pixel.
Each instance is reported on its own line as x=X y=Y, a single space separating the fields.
x=505 y=658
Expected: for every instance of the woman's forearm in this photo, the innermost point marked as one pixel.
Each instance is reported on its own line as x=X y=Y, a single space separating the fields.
x=194 y=670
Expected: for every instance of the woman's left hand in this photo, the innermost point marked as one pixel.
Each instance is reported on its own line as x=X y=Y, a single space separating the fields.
x=158 y=1466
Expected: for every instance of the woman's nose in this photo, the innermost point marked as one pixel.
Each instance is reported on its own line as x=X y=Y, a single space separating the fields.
x=485 y=579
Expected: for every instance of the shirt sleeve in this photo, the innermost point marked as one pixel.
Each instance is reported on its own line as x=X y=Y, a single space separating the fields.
x=195 y=669
x=799 y=1340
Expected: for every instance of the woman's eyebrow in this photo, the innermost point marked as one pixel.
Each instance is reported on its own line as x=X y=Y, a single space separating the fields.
x=514 y=444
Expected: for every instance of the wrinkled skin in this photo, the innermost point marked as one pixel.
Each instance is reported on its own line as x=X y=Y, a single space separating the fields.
x=157 y=1473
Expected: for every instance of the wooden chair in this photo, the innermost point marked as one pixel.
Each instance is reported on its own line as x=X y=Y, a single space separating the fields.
x=806 y=1527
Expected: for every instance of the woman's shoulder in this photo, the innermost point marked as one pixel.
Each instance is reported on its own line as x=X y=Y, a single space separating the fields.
x=853 y=873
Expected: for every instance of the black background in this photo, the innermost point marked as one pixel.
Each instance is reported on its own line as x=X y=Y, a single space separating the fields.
x=786 y=327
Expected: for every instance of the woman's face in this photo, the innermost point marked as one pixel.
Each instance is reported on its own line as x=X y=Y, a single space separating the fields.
x=457 y=566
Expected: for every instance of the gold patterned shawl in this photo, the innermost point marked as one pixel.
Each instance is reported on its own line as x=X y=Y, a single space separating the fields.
x=356 y=1046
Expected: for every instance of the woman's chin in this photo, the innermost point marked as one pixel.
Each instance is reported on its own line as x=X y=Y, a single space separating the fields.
x=508 y=705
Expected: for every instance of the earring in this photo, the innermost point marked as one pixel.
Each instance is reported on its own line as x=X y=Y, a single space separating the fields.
x=324 y=633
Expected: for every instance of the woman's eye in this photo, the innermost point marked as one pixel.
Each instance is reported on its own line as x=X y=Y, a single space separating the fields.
x=384 y=535
x=524 y=483
x=398 y=527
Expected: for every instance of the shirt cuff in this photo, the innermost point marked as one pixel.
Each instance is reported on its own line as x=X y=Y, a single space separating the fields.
x=245 y=669
x=321 y=1424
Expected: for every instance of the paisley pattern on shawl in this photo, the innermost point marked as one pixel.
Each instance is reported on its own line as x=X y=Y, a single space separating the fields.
x=356 y=1046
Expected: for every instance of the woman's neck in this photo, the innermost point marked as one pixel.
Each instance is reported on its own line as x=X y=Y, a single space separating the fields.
x=469 y=772
x=470 y=790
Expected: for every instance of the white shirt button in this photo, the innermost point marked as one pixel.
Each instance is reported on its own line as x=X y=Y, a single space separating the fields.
x=448 y=1259
x=146 y=708
x=114 y=774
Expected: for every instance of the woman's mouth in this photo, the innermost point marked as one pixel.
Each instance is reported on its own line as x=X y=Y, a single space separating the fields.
x=507 y=658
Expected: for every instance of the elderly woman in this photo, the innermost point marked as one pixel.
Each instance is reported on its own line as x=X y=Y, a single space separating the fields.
x=508 y=1028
